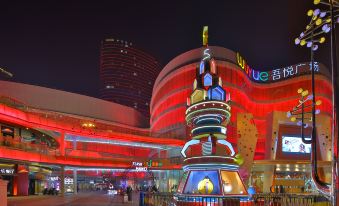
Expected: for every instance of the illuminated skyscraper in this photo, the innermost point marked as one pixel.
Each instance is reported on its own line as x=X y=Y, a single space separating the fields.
x=127 y=74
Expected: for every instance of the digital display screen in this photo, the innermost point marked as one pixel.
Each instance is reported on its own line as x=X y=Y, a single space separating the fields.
x=294 y=144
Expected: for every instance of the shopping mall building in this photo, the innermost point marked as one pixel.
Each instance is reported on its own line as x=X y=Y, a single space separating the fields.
x=48 y=135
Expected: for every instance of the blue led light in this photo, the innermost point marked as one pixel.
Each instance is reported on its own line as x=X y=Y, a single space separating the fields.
x=202 y=67
x=217 y=93
x=207 y=80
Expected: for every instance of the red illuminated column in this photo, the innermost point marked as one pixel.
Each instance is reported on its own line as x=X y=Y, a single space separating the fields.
x=22 y=180
x=15 y=185
x=61 y=141
x=23 y=184
x=74 y=143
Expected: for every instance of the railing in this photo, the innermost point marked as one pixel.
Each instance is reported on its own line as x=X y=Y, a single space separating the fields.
x=153 y=199
x=68 y=152
x=171 y=199
x=290 y=199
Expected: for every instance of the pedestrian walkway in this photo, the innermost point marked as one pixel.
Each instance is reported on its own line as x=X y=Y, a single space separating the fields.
x=81 y=199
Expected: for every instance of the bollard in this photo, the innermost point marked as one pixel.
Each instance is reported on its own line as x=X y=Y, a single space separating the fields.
x=125 y=198
x=141 y=199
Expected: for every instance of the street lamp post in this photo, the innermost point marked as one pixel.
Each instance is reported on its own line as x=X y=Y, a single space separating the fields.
x=303 y=112
x=5 y=72
x=324 y=22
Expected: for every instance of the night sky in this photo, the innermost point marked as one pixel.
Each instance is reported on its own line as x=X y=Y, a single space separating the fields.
x=56 y=44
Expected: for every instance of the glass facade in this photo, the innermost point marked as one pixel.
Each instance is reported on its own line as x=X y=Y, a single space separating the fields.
x=127 y=74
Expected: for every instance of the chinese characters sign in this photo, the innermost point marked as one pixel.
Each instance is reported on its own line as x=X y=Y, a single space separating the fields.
x=276 y=74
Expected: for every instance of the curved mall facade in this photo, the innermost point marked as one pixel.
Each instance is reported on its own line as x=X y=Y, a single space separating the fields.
x=42 y=126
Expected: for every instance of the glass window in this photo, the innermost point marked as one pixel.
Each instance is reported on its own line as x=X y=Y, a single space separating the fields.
x=182 y=182
x=216 y=93
x=232 y=184
x=207 y=80
x=203 y=182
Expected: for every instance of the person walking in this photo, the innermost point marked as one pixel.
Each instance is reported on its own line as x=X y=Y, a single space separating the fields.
x=129 y=193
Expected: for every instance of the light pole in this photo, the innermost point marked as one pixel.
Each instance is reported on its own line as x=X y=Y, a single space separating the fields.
x=303 y=112
x=323 y=22
x=7 y=73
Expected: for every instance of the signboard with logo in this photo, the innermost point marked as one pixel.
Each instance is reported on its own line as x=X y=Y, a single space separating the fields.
x=7 y=171
x=56 y=178
x=143 y=166
x=68 y=181
x=275 y=74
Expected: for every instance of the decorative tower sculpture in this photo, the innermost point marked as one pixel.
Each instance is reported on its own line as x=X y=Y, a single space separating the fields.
x=210 y=164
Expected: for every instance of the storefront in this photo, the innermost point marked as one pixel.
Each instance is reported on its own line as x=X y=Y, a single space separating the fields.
x=293 y=176
x=7 y=172
x=54 y=182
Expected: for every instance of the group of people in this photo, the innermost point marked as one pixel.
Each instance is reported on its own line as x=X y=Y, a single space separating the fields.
x=50 y=191
x=129 y=191
x=152 y=188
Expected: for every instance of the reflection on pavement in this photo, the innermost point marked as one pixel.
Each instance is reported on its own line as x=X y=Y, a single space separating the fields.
x=80 y=199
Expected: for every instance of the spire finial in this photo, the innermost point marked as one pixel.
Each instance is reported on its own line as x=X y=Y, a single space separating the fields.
x=205 y=36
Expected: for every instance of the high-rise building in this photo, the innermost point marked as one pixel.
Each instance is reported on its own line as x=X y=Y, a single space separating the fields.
x=127 y=74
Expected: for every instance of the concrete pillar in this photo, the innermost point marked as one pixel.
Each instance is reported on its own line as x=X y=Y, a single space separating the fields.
x=268 y=178
x=165 y=181
x=62 y=180
x=3 y=192
x=74 y=143
x=37 y=188
x=75 y=181
x=168 y=180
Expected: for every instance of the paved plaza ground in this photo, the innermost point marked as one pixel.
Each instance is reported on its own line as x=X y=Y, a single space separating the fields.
x=81 y=199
